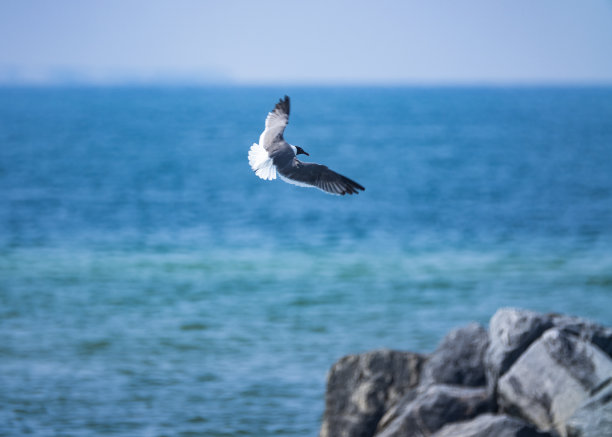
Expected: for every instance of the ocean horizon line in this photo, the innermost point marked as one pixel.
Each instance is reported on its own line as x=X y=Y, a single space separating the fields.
x=226 y=84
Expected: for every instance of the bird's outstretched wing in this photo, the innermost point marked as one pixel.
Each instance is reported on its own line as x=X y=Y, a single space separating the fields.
x=276 y=121
x=319 y=176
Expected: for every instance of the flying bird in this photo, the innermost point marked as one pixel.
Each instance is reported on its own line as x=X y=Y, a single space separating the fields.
x=275 y=155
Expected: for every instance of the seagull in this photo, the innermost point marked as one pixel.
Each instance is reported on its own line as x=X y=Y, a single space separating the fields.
x=275 y=155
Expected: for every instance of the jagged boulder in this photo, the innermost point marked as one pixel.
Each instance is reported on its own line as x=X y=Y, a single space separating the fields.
x=491 y=425
x=511 y=332
x=426 y=412
x=360 y=388
x=459 y=359
x=552 y=378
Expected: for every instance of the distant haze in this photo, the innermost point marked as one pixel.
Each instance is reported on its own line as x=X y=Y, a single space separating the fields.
x=315 y=42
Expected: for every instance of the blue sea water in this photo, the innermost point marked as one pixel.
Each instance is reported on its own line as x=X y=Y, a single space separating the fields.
x=151 y=285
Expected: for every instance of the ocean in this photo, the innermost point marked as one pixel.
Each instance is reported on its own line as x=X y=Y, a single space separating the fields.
x=152 y=285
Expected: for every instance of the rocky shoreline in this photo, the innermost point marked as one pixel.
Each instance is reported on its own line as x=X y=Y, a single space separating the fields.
x=529 y=374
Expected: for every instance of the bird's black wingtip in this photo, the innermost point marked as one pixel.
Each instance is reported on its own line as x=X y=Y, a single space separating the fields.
x=353 y=187
x=283 y=105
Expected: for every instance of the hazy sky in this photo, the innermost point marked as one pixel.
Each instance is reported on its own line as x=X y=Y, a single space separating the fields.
x=289 y=41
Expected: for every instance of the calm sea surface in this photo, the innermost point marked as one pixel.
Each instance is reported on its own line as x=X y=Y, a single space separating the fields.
x=151 y=285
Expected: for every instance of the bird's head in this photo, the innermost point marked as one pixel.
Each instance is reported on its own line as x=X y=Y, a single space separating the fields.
x=299 y=150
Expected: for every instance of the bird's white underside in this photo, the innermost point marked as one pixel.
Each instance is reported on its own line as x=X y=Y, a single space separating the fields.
x=291 y=181
x=302 y=184
x=261 y=163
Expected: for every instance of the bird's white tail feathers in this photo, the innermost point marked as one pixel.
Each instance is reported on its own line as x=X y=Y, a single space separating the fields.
x=261 y=163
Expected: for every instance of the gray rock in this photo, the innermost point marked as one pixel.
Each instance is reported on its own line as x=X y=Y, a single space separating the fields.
x=599 y=335
x=424 y=413
x=553 y=371
x=360 y=388
x=491 y=425
x=594 y=417
x=459 y=358
x=511 y=331
x=552 y=378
